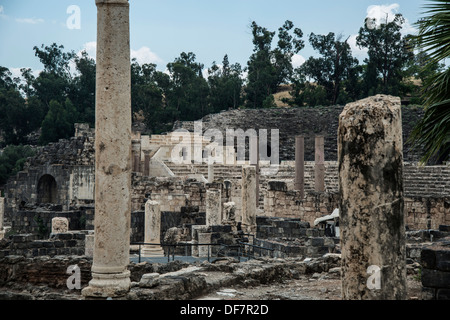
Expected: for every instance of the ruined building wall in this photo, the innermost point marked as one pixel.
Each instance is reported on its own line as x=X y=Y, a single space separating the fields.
x=299 y=121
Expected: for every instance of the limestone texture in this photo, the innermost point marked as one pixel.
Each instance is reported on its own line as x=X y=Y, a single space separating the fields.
x=371 y=200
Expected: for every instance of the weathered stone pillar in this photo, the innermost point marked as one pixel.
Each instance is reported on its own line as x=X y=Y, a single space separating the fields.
x=300 y=165
x=372 y=227
x=2 y=212
x=210 y=173
x=203 y=249
x=319 y=171
x=2 y=216
x=136 y=150
x=248 y=212
x=152 y=231
x=147 y=163
x=89 y=242
x=110 y=277
x=213 y=207
x=60 y=225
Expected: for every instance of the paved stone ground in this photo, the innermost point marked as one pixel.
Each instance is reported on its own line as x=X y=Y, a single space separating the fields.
x=308 y=287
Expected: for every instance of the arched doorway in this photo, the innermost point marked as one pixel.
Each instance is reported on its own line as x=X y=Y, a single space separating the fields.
x=46 y=190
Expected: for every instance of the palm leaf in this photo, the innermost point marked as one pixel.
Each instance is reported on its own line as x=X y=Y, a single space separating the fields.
x=432 y=133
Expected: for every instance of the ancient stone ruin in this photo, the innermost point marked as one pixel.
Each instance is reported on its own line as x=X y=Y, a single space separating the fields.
x=144 y=217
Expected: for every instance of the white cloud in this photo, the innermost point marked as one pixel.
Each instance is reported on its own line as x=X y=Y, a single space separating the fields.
x=90 y=48
x=1 y=10
x=297 y=60
x=30 y=20
x=357 y=52
x=16 y=73
x=145 y=55
x=386 y=14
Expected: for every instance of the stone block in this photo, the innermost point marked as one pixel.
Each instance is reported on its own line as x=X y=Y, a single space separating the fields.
x=443 y=294
x=221 y=228
x=435 y=278
x=428 y=293
x=149 y=280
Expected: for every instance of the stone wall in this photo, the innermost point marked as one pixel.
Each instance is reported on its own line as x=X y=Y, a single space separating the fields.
x=28 y=245
x=435 y=261
x=298 y=121
x=39 y=222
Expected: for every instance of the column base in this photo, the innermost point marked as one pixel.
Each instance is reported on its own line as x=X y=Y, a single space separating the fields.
x=108 y=285
x=152 y=251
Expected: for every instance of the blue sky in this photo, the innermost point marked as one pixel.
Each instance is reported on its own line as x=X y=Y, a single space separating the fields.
x=161 y=30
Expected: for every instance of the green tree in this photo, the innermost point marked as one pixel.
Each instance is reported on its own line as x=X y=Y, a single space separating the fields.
x=12 y=160
x=147 y=96
x=188 y=90
x=267 y=67
x=82 y=88
x=432 y=133
x=333 y=68
x=59 y=122
x=389 y=53
x=225 y=85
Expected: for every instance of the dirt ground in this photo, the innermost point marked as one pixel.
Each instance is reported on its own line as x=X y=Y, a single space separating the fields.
x=308 y=287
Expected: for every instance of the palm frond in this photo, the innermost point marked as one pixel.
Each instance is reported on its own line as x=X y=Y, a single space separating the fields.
x=432 y=133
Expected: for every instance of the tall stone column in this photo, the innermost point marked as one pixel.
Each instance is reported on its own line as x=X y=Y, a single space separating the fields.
x=300 y=165
x=146 y=163
x=213 y=207
x=210 y=172
x=372 y=227
x=319 y=171
x=248 y=212
x=2 y=216
x=110 y=277
x=152 y=232
x=136 y=151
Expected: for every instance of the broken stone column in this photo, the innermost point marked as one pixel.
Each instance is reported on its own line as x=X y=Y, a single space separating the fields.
x=213 y=207
x=60 y=225
x=319 y=169
x=146 y=163
x=152 y=231
x=89 y=242
x=372 y=227
x=248 y=212
x=210 y=173
x=300 y=165
x=2 y=216
x=204 y=250
x=110 y=276
x=136 y=150
x=195 y=231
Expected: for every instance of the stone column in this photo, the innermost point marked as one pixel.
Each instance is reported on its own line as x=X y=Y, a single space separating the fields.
x=147 y=163
x=210 y=173
x=300 y=165
x=136 y=150
x=89 y=242
x=372 y=227
x=152 y=231
x=319 y=171
x=204 y=250
x=248 y=212
x=110 y=277
x=2 y=212
x=2 y=216
x=213 y=207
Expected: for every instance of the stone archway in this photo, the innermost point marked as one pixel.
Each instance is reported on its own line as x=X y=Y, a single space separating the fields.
x=47 y=189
